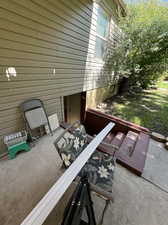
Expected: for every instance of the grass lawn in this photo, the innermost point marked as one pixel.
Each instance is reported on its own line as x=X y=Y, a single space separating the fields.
x=163 y=84
x=148 y=109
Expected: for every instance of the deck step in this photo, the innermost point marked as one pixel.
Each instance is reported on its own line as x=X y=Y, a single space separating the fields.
x=118 y=139
x=113 y=145
x=108 y=139
x=128 y=144
x=132 y=153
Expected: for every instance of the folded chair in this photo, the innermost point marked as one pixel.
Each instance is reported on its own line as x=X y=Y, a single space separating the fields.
x=99 y=168
x=34 y=115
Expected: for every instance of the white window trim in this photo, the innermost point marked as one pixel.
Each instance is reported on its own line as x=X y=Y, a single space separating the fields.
x=101 y=37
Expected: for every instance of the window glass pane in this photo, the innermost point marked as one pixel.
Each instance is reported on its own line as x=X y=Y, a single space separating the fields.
x=99 y=51
x=102 y=23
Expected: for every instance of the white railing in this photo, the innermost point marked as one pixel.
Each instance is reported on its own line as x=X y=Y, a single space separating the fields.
x=38 y=215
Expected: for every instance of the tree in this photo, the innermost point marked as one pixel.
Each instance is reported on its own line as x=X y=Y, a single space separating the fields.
x=142 y=51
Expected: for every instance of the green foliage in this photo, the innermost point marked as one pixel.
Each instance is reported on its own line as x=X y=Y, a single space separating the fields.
x=162 y=84
x=148 y=108
x=142 y=52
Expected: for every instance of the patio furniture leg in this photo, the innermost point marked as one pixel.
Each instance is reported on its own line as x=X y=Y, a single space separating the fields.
x=80 y=200
x=104 y=210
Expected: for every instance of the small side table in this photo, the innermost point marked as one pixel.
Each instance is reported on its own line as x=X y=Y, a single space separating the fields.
x=14 y=149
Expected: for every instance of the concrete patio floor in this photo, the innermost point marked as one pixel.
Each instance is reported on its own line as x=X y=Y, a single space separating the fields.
x=25 y=180
x=137 y=202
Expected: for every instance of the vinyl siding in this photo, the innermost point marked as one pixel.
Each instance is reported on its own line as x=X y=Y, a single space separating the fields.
x=102 y=75
x=50 y=43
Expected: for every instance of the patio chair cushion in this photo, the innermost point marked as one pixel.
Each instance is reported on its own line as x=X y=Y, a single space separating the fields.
x=100 y=170
x=72 y=145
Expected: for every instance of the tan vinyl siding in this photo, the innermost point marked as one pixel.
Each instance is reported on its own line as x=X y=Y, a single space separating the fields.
x=51 y=45
x=102 y=74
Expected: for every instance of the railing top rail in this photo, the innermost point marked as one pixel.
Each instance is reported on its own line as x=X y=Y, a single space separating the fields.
x=38 y=215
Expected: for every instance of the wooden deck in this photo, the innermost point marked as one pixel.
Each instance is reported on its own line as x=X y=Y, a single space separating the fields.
x=130 y=139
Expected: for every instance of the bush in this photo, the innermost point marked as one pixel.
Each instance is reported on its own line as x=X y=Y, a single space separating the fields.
x=142 y=52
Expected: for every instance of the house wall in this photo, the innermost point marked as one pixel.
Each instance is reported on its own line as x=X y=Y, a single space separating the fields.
x=98 y=95
x=46 y=52
x=109 y=86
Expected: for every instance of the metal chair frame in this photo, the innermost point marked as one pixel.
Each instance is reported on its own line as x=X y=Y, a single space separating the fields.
x=29 y=105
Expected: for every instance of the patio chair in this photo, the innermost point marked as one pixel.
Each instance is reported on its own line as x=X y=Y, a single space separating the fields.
x=34 y=115
x=99 y=168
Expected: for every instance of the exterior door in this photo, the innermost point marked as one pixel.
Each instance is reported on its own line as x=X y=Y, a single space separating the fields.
x=74 y=106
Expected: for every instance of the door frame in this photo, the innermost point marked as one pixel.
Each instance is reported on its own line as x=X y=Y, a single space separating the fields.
x=82 y=106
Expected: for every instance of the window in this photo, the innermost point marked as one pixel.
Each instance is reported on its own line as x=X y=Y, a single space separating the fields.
x=101 y=33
